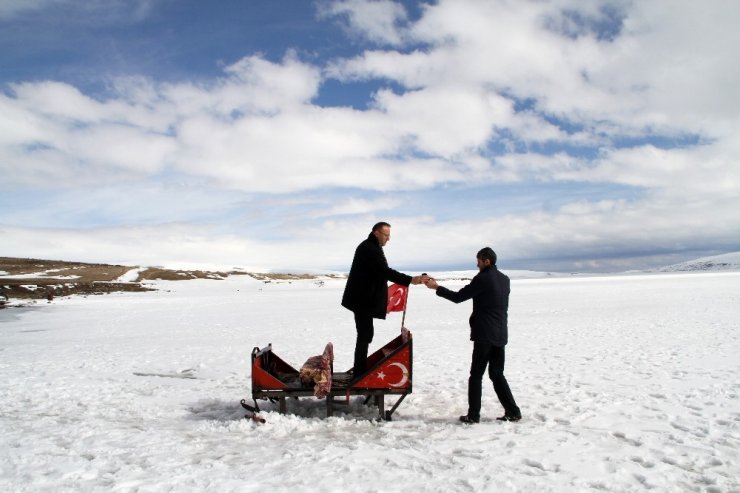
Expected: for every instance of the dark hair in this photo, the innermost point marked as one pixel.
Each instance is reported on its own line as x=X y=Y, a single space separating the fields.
x=380 y=225
x=487 y=253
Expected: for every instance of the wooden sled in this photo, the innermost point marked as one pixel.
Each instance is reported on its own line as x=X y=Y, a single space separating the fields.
x=389 y=373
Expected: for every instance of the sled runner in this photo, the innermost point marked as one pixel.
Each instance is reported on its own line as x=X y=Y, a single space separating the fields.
x=389 y=373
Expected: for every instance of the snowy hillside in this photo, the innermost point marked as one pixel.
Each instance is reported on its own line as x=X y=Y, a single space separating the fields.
x=727 y=261
x=466 y=275
x=716 y=263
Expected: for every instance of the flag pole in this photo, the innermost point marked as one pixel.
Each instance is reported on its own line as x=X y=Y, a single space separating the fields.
x=405 y=305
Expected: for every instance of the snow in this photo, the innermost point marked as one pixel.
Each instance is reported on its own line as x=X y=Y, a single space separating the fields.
x=35 y=275
x=724 y=262
x=131 y=275
x=626 y=383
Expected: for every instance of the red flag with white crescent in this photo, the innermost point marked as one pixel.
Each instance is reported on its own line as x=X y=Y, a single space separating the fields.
x=397 y=295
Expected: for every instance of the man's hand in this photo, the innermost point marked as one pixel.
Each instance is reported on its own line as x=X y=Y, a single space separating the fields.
x=420 y=279
x=431 y=283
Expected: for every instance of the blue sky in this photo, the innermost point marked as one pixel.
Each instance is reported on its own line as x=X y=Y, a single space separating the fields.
x=271 y=135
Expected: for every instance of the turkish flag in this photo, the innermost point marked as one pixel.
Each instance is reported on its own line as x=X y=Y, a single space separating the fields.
x=397 y=296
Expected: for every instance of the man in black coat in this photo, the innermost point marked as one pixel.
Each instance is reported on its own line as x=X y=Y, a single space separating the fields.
x=489 y=290
x=366 y=292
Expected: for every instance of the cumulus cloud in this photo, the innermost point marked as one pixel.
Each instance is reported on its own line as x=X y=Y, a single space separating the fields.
x=377 y=21
x=355 y=206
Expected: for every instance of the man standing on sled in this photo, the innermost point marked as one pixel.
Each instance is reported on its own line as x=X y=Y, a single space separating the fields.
x=366 y=292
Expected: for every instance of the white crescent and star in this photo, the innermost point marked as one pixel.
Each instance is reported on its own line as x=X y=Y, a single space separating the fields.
x=397 y=296
x=404 y=375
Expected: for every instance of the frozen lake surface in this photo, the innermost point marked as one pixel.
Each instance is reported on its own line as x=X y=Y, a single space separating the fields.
x=626 y=383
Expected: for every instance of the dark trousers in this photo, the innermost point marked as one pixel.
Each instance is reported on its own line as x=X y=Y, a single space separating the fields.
x=493 y=357
x=365 y=332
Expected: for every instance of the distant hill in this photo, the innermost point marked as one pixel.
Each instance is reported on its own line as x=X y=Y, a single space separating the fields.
x=32 y=279
x=727 y=261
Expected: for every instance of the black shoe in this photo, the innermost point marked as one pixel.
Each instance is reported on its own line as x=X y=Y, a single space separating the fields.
x=469 y=420
x=509 y=417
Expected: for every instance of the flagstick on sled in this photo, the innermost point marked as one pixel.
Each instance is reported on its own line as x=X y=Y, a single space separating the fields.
x=389 y=373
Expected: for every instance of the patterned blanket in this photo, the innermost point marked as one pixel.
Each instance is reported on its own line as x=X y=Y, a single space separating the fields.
x=317 y=370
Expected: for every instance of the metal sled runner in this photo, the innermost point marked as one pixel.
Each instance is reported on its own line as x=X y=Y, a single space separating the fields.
x=389 y=373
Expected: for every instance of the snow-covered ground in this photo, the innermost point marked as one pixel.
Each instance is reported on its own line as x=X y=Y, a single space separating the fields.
x=626 y=383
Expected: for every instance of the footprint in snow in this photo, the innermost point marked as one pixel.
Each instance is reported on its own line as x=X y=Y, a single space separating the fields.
x=631 y=441
x=644 y=463
x=534 y=463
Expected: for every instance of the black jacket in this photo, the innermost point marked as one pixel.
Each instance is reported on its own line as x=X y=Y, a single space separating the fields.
x=367 y=284
x=490 y=292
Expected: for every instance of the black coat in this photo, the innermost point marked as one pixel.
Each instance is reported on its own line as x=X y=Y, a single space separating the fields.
x=367 y=284
x=490 y=292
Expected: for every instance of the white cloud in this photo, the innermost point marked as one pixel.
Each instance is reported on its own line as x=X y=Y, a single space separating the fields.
x=354 y=206
x=376 y=21
x=265 y=134
x=254 y=130
x=669 y=68
x=682 y=61
x=62 y=138
x=445 y=121
x=709 y=170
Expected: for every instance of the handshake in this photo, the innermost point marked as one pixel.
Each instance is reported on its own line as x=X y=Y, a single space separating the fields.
x=426 y=280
